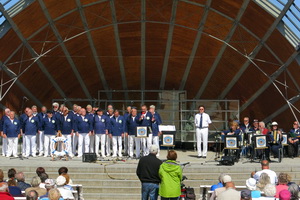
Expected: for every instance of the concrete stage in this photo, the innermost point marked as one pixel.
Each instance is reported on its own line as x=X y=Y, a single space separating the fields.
x=117 y=180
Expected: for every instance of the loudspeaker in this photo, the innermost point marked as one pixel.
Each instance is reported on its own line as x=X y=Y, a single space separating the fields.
x=227 y=160
x=89 y=157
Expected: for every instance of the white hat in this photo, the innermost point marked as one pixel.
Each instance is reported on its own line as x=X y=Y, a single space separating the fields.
x=49 y=182
x=60 y=181
x=226 y=179
x=251 y=184
x=154 y=149
x=274 y=124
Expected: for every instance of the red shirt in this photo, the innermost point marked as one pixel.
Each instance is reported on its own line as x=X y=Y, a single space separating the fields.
x=6 y=196
x=264 y=131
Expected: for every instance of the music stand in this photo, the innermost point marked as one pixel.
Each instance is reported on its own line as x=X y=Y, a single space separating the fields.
x=231 y=143
x=168 y=135
x=260 y=143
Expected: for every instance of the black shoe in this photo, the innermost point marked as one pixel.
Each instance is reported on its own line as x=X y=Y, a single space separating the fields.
x=204 y=157
x=199 y=156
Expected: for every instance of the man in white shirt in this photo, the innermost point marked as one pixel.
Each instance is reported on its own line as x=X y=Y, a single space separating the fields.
x=202 y=121
x=266 y=169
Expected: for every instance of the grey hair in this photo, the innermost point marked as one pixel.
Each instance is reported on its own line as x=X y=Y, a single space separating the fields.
x=264 y=179
x=221 y=177
x=152 y=106
x=32 y=195
x=55 y=104
x=3 y=187
x=294 y=190
x=269 y=190
x=20 y=176
x=35 y=181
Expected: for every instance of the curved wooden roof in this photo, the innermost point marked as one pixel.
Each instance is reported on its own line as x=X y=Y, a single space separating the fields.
x=75 y=48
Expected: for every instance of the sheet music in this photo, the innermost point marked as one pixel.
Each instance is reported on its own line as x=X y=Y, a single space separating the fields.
x=166 y=128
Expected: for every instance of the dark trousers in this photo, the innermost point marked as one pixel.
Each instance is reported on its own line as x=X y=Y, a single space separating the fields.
x=163 y=198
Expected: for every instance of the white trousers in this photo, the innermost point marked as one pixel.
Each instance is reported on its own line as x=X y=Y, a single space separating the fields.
x=148 y=145
x=108 y=145
x=41 y=141
x=12 y=146
x=83 y=143
x=74 y=143
x=4 y=146
x=155 y=141
x=126 y=144
x=69 y=144
x=30 y=145
x=131 y=139
x=23 y=145
x=48 y=144
x=117 y=145
x=92 y=142
x=100 y=138
x=202 y=136
x=137 y=147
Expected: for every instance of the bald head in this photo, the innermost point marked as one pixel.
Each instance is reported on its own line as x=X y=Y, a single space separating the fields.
x=265 y=164
x=230 y=185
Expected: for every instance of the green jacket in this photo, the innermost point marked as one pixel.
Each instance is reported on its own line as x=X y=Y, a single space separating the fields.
x=170 y=174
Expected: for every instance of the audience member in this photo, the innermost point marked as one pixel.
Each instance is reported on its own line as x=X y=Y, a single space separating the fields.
x=54 y=194
x=251 y=185
x=246 y=195
x=215 y=194
x=35 y=185
x=67 y=186
x=283 y=180
x=11 y=174
x=4 y=192
x=284 y=195
x=43 y=177
x=21 y=181
x=1 y=176
x=40 y=170
x=269 y=191
x=230 y=193
x=170 y=174
x=294 y=190
x=263 y=181
x=50 y=185
x=65 y=193
x=266 y=169
x=13 y=189
x=64 y=170
x=32 y=195
x=147 y=171
x=218 y=185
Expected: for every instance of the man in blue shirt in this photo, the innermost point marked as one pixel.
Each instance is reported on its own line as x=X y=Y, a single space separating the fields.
x=126 y=142
x=117 y=133
x=30 y=129
x=67 y=129
x=50 y=127
x=22 y=119
x=145 y=120
x=130 y=129
x=83 y=127
x=218 y=185
x=40 y=139
x=11 y=131
x=156 y=121
x=4 y=139
x=101 y=130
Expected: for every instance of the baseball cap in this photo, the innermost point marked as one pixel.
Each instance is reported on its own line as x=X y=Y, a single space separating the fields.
x=284 y=195
x=60 y=181
x=251 y=184
x=154 y=149
x=226 y=179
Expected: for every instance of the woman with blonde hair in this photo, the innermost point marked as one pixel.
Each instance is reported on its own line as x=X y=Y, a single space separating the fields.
x=283 y=180
x=263 y=181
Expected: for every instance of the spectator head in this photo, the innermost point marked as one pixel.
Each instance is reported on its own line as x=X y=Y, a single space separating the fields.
x=226 y=179
x=1 y=175
x=11 y=183
x=67 y=178
x=252 y=174
x=230 y=185
x=269 y=190
x=251 y=184
x=49 y=184
x=246 y=195
x=32 y=195
x=3 y=187
x=11 y=173
x=35 y=182
x=283 y=178
x=20 y=177
x=284 y=195
x=221 y=177
x=54 y=194
x=172 y=155
x=43 y=177
x=62 y=170
x=264 y=179
x=61 y=181
x=294 y=190
x=40 y=170
x=154 y=149
x=264 y=164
